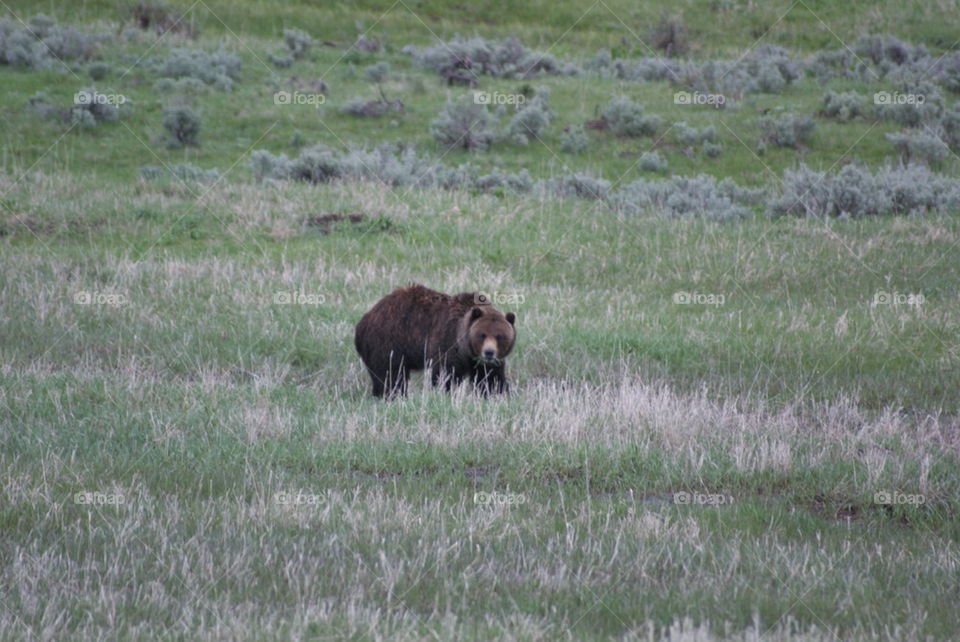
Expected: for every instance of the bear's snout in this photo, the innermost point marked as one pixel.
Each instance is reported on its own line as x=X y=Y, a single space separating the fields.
x=489 y=349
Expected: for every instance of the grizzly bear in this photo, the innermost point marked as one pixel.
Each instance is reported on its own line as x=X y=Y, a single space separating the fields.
x=458 y=336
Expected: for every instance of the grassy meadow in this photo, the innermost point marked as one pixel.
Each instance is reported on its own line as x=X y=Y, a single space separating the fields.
x=719 y=430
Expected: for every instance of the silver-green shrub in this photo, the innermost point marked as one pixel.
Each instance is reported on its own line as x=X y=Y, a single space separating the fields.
x=692 y=137
x=789 y=130
x=652 y=162
x=182 y=125
x=919 y=145
x=506 y=58
x=181 y=171
x=378 y=72
x=42 y=44
x=844 y=105
x=855 y=192
x=463 y=123
x=626 y=118
x=219 y=69
x=298 y=43
x=577 y=185
x=574 y=140
x=686 y=197
x=531 y=121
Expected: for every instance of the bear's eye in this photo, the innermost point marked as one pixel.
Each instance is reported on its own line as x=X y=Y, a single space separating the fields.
x=499 y=337
x=482 y=337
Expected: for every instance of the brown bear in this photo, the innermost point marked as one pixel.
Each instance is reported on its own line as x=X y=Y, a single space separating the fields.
x=459 y=336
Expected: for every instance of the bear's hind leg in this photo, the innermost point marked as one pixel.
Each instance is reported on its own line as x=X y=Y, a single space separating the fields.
x=377 y=384
x=395 y=380
x=389 y=377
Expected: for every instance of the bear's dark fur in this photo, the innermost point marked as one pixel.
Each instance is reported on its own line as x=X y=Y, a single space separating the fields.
x=459 y=337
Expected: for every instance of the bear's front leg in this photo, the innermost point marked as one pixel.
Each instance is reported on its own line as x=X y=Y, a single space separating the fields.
x=489 y=380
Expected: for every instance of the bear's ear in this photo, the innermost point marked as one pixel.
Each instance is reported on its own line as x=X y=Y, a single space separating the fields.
x=475 y=313
x=511 y=317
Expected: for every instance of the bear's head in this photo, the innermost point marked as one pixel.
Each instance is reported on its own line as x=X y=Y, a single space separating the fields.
x=491 y=334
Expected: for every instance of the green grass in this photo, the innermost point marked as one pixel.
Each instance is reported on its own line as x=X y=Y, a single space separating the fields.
x=236 y=123
x=188 y=394
x=199 y=399
x=565 y=27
